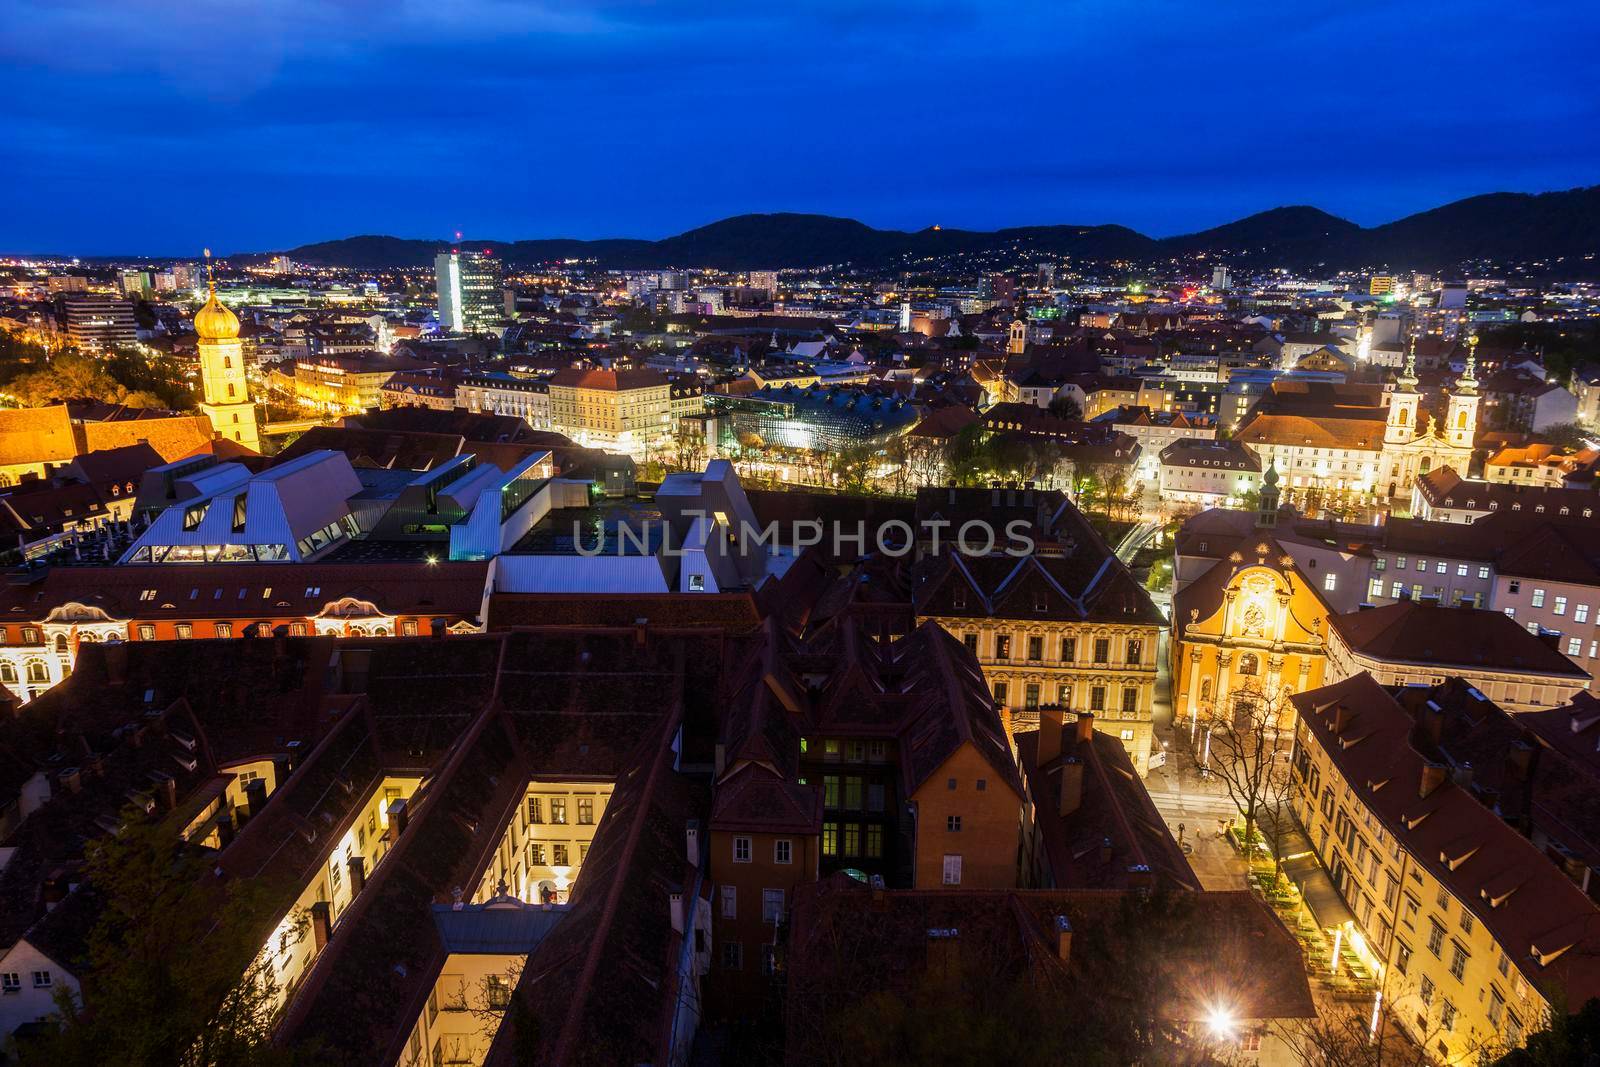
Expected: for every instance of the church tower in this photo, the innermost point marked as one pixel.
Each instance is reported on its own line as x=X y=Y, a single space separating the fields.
x=1402 y=426
x=1017 y=340
x=225 y=390
x=1461 y=421
x=1267 y=508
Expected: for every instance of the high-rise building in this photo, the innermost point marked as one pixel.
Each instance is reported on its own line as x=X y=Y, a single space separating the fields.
x=67 y=283
x=1381 y=285
x=97 y=320
x=134 y=282
x=765 y=279
x=1047 y=275
x=470 y=299
x=1220 y=278
x=225 y=389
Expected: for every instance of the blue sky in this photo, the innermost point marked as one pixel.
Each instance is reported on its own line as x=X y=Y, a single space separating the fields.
x=158 y=127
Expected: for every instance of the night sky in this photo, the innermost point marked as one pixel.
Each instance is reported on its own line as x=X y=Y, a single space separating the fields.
x=157 y=126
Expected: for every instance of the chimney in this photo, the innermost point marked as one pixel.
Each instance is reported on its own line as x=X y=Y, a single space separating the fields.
x=358 y=874
x=691 y=835
x=71 y=779
x=1063 y=938
x=1085 y=727
x=354 y=665
x=1071 y=785
x=255 y=796
x=675 y=902
x=1105 y=850
x=721 y=758
x=321 y=924
x=1551 y=639
x=1341 y=718
x=1049 y=736
x=397 y=818
x=1432 y=722
x=169 y=792
x=1461 y=775
x=1432 y=778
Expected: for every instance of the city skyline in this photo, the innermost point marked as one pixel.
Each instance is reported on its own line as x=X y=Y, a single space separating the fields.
x=656 y=122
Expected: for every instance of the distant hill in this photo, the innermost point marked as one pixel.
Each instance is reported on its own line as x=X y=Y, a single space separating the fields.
x=1503 y=227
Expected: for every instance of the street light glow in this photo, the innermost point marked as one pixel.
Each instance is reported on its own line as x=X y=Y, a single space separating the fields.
x=1221 y=1023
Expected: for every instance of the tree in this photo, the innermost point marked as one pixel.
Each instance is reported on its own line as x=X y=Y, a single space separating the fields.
x=1066 y=406
x=71 y=376
x=1243 y=749
x=1568 y=1039
x=176 y=972
x=852 y=469
x=1566 y=435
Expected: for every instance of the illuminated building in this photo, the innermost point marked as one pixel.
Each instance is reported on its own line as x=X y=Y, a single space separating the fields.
x=470 y=299
x=97 y=321
x=1449 y=856
x=1065 y=625
x=1249 y=631
x=1381 y=285
x=225 y=390
x=627 y=411
x=817 y=419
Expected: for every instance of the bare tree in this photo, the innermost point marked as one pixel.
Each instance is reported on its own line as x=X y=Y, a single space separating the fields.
x=1244 y=749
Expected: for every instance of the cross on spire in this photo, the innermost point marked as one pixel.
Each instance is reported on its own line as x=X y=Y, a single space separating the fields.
x=211 y=278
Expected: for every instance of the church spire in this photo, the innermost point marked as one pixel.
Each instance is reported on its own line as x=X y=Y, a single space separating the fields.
x=1407 y=381
x=1467 y=384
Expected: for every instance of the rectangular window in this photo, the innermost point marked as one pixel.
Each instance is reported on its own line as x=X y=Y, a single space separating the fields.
x=1580 y=613
x=874 y=841
x=1030 y=695
x=875 y=796
x=224 y=629
x=830 y=839
x=1402 y=956
x=952 y=823
x=741 y=850
x=1102 y=650
x=585 y=811
x=952 y=870
x=1461 y=570
x=1130 y=700
x=558 y=855
x=41 y=979
x=1483 y=572
x=1135 y=650
x=535 y=810
x=732 y=956
x=1097 y=698
x=852 y=839
x=147 y=632
x=1330 y=580
x=558 y=811
x=1002 y=646
x=772 y=905
x=1000 y=692
x=185 y=631
x=1560 y=606
x=971 y=641
x=1064 y=695
x=11 y=982
x=852 y=793
x=830 y=790
x=1574 y=646
x=1538 y=598
x=408 y=628
x=730 y=902
x=1458 y=960
x=782 y=851
x=1435 y=937
x=1374 y=588
x=1035 y=649
x=1069 y=649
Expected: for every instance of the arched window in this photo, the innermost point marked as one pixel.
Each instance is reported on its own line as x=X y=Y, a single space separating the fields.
x=61 y=642
x=8 y=673
x=1405 y=416
x=1205 y=689
x=1461 y=420
x=38 y=672
x=1249 y=664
